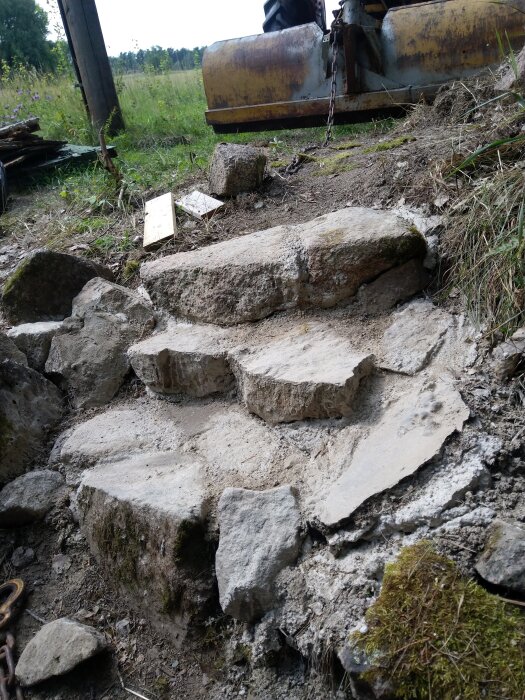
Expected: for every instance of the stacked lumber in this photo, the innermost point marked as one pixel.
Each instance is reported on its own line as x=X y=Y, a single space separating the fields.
x=20 y=145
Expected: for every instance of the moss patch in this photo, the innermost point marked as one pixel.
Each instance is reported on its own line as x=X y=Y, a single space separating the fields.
x=389 y=145
x=340 y=163
x=12 y=279
x=440 y=635
x=346 y=145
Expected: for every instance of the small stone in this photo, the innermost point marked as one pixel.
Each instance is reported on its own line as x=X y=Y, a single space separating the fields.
x=44 y=284
x=508 y=357
x=123 y=627
x=22 y=557
x=236 y=168
x=34 y=340
x=61 y=563
x=259 y=536
x=56 y=649
x=29 y=497
x=503 y=560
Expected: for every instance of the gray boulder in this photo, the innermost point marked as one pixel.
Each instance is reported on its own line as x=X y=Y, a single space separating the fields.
x=235 y=169
x=9 y=351
x=30 y=406
x=34 y=340
x=259 y=536
x=503 y=560
x=90 y=362
x=101 y=296
x=29 y=497
x=44 y=284
x=88 y=358
x=56 y=649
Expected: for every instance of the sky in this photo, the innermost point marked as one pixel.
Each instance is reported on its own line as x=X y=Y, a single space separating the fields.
x=129 y=25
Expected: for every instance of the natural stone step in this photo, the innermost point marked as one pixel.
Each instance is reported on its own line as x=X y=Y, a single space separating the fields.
x=411 y=432
x=311 y=265
x=185 y=359
x=144 y=518
x=313 y=373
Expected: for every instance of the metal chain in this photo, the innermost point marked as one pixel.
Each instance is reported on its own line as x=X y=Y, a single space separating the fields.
x=334 y=30
x=8 y=682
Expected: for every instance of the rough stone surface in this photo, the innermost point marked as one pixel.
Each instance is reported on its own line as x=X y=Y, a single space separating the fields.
x=394 y=286
x=9 y=351
x=101 y=296
x=185 y=359
x=311 y=374
x=236 y=168
x=88 y=358
x=259 y=536
x=417 y=333
x=30 y=406
x=144 y=518
x=446 y=488
x=509 y=356
x=311 y=265
x=503 y=560
x=410 y=432
x=44 y=284
x=56 y=649
x=29 y=497
x=34 y=339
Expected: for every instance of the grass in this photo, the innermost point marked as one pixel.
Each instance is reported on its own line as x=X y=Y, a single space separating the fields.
x=437 y=634
x=166 y=144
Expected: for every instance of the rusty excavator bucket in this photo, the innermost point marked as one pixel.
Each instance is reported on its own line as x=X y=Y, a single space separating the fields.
x=387 y=55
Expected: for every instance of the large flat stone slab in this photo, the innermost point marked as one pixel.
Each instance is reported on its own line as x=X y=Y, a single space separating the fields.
x=411 y=431
x=316 y=264
x=185 y=359
x=311 y=373
x=145 y=521
x=417 y=333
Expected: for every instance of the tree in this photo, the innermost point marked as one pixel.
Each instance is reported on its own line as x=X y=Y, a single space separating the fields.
x=23 y=32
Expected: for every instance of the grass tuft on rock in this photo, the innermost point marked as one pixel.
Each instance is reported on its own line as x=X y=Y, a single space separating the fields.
x=439 y=635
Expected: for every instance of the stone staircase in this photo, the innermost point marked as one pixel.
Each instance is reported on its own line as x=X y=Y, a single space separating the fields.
x=292 y=397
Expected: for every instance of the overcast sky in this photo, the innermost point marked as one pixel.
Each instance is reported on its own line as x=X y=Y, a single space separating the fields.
x=129 y=25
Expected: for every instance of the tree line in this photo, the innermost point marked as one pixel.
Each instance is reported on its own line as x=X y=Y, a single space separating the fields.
x=23 y=42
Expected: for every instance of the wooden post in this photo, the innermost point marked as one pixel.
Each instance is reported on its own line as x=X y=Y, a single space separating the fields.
x=90 y=59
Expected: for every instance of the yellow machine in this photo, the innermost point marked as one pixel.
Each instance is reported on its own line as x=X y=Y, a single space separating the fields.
x=379 y=57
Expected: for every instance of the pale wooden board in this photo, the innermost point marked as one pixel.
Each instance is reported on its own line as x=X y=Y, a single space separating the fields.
x=160 y=223
x=199 y=205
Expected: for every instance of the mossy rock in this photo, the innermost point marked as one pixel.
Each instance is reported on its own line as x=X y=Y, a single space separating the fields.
x=440 y=635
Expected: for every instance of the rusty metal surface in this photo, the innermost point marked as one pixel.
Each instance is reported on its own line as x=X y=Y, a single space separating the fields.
x=313 y=112
x=283 y=78
x=439 y=41
x=265 y=68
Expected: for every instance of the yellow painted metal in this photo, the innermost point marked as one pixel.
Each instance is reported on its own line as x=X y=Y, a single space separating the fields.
x=283 y=78
x=449 y=39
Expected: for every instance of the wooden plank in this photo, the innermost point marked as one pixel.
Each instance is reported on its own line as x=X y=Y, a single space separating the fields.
x=160 y=223
x=199 y=205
